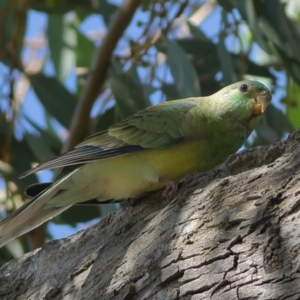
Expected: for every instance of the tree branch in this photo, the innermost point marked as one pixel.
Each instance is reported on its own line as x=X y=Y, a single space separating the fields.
x=98 y=72
x=231 y=233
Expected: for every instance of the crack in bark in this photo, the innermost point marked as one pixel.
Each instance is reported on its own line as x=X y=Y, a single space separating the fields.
x=185 y=248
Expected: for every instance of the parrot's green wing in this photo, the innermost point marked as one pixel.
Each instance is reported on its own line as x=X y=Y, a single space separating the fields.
x=204 y=131
x=155 y=127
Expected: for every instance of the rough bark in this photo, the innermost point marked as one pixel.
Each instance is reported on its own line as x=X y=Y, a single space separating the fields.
x=233 y=233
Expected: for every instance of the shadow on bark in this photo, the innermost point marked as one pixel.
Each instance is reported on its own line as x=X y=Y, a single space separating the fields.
x=232 y=233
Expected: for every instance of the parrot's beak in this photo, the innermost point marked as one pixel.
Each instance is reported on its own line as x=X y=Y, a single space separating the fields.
x=261 y=102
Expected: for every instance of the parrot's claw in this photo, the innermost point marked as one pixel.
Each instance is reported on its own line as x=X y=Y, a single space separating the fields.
x=135 y=200
x=171 y=188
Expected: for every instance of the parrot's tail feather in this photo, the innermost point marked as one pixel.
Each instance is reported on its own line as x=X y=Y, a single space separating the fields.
x=28 y=217
x=37 y=188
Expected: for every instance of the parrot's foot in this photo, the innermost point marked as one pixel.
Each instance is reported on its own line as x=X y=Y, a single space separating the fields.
x=171 y=188
x=134 y=201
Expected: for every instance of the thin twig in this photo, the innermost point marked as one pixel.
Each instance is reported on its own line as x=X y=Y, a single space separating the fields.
x=81 y=117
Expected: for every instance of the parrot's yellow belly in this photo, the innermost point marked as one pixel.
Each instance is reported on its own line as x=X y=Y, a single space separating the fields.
x=133 y=174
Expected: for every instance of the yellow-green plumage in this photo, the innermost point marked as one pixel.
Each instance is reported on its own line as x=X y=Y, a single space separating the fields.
x=131 y=175
x=141 y=153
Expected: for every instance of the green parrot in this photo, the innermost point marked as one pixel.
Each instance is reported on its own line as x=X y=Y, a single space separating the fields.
x=146 y=152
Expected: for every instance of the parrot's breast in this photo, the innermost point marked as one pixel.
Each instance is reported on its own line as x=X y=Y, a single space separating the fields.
x=131 y=175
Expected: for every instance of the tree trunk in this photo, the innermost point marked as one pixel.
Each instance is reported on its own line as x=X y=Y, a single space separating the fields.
x=232 y=233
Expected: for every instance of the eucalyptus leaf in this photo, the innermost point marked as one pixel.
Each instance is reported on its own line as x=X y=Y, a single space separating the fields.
x=49 y=136
x=273 y=126
x=57 y=100
x=203 y=55
x=128 y=91
x=76 y=214
x=196 y=31
x=62 y=40
x=64 y=6
x=15 y=248
x=228 y=5
x=247 y=10
x=107 y=9
x=170 y=91
x=21 y=160
x=85 y=50
x=108 y=118
x=292 y=65
x=183 y=72
x=292 y=102
x=39 y=148
x=226 y=63
x=284 y=33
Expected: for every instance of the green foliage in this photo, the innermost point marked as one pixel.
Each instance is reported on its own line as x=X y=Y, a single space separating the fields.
x=155 y=59
x=183 y=72
x=62 y=41
x=56 y=99
x=292 y=102
x=127 y=90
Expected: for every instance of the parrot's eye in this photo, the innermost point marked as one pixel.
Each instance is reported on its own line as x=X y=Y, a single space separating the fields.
x=244 y=88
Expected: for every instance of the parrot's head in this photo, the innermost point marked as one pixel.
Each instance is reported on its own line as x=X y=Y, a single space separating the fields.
x=246 y=99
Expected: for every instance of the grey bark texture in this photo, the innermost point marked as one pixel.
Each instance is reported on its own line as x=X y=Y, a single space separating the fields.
x=232 y=233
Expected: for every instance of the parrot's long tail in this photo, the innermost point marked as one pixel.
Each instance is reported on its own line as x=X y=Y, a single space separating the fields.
x=29 y=216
